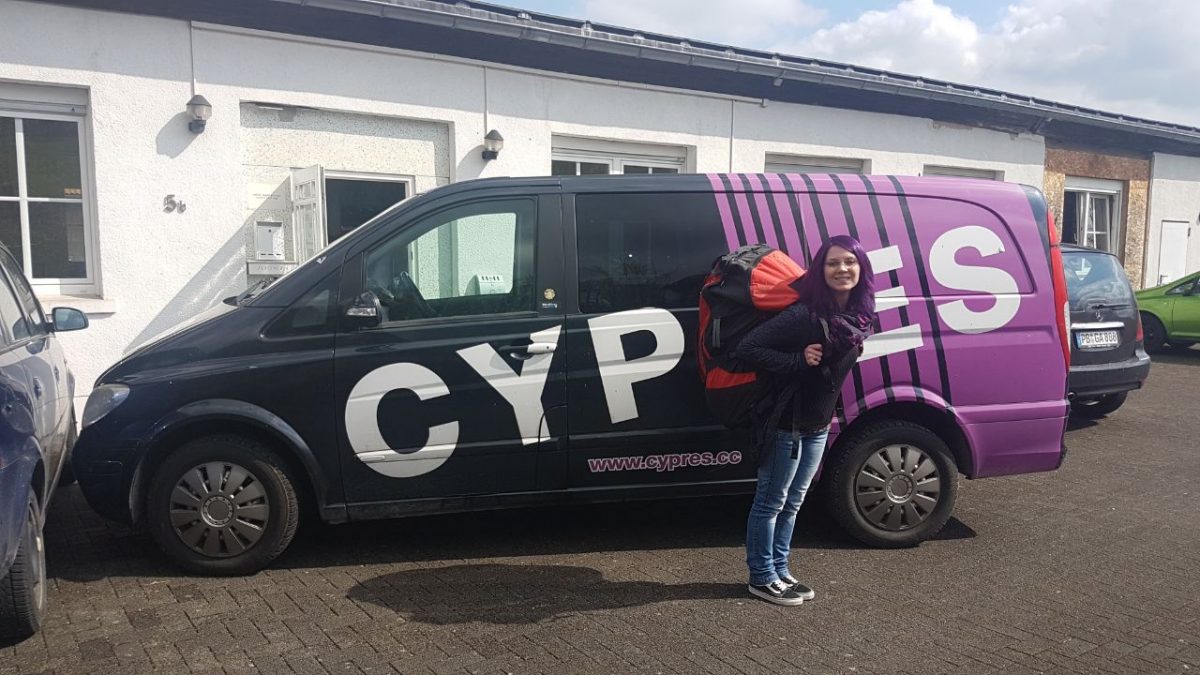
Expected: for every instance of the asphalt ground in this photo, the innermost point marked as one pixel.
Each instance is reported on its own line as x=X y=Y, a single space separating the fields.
x=1094 y=568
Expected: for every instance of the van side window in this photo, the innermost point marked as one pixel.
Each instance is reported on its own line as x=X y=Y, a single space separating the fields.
x=645 y=250
x=314 y=313
x=473 y=259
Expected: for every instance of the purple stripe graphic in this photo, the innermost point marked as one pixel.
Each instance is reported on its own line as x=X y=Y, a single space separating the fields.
x=808 y=218
x=731 y=238
x=872 y=240
x=743 y=208
x=764 y=211
x=787 y=223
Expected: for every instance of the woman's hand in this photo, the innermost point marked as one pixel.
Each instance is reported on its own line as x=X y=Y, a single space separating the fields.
x=812 y=355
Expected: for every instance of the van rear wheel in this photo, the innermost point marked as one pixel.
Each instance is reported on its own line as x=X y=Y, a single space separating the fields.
x=893 y=484
x=223 y=505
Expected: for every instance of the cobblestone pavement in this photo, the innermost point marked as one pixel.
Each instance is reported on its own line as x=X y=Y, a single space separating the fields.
x=1092 y=569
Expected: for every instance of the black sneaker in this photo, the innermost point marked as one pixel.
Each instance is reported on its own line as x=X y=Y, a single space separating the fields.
x=777 y=592
x=797 y=587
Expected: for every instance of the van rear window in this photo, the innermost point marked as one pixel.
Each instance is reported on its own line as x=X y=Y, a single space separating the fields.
x=1095 y=278
x=645 y=250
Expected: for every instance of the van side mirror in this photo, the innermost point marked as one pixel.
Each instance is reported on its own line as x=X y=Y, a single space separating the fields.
x=68 y=318
x=365 y=312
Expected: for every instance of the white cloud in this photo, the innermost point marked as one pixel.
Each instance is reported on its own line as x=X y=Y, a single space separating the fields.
x=753 y=24
x=1109 y=54
x=918 y=36
x=1116 y=55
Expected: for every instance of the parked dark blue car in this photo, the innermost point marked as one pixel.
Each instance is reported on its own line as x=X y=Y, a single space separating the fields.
x=37 y=432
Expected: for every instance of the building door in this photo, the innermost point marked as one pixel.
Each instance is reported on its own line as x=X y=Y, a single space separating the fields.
x=1172 y=250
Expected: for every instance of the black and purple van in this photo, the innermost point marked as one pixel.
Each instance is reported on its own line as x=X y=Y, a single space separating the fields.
x=507 y=342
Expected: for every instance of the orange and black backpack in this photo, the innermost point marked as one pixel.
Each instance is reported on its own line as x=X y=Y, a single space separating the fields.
x=745 y=287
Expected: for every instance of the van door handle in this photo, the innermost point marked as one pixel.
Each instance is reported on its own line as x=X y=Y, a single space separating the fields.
x=37 y=387
x=529 y=350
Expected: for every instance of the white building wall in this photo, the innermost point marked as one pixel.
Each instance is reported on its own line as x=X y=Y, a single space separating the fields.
x=891 y=144
x=156 y=267
x=1174 y=195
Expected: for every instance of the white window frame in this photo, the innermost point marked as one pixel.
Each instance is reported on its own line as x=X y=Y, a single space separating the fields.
x=618 y=154
x=409 y=183
x=780 y=163
x=51 y=285
x=1100 y=186
x=320 y=233
x=961 y=172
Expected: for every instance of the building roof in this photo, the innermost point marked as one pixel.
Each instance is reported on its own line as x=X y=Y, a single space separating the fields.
x=493 y=33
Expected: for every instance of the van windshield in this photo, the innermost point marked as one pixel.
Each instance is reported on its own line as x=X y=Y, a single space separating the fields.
x=1095 y=280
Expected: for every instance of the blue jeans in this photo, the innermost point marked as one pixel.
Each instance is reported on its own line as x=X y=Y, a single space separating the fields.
x=782 y=483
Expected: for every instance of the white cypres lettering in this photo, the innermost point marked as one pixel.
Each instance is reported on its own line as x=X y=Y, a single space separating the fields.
x=362 y=422
x=900 y=339
x=522 y=391
x=617 y=374
x=949 y=273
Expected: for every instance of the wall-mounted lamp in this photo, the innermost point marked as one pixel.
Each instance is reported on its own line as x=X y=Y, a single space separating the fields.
x=492 y=143
x=199 y=109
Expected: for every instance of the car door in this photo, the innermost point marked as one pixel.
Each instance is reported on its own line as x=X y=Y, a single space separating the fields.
x=34 y=353
x=48 y=368
x=1185 y=313
x=637 y=411
x=447 y=395
x=20 y=409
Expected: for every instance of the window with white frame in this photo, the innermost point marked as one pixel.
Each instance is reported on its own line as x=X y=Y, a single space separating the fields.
x=327 y=205
x=43 y=212
x=1092 y=214
x=813 y=164
x=589 y=157
x=961 y=172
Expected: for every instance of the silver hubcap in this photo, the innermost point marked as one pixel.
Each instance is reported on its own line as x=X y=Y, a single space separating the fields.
x=219 y=509
x=897 y=488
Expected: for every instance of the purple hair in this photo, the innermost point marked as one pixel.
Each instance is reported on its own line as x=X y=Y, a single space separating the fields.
x=817 y=295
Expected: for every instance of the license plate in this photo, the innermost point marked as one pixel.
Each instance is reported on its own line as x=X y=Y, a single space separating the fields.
x=1098 y=339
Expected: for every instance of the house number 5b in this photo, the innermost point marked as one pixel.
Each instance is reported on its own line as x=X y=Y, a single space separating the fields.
x=170 y=204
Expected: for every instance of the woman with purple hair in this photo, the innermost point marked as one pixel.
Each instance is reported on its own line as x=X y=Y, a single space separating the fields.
x=804 y=353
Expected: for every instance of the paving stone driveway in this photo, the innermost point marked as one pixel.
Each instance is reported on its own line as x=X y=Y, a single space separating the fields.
x=1092 y=569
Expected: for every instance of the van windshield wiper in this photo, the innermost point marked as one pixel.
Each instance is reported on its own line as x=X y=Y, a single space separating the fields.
x=249 y=292
x=1110 y=305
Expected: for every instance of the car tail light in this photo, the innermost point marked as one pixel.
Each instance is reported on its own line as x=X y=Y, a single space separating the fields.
x=1141 y=337
x=1060 y=290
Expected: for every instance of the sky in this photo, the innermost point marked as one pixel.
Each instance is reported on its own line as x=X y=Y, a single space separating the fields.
x=1132 y=57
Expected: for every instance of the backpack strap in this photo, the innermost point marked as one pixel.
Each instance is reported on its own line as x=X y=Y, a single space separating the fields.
x=827 y=346
x=771 y=425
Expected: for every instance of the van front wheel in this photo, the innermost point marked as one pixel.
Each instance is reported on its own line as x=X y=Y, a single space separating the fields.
x=223 y=505
x=893 y=485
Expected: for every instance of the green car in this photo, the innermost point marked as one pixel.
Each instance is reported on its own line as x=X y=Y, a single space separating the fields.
x=1171 y=313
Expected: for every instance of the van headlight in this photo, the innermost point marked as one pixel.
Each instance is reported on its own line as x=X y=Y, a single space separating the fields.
x=103 y=400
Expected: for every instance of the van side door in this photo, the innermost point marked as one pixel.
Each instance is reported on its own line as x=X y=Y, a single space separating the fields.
x=445 y=395
x=637 y=411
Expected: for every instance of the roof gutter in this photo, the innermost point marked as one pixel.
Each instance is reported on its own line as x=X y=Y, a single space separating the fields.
x=516 y=24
